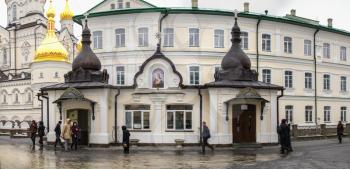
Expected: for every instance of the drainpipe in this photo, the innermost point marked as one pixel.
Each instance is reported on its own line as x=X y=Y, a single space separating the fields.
x=42 y=111
x=257 y=45
x=315 y=75
x=116 y=116
x=278 y=106
x=200 y=115
x=161 y=26
x=48 y=111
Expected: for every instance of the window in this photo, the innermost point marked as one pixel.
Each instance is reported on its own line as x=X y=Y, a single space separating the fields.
x=16 y=98
x=326 y=50
x=343 y=111
x=179 y=117
x=307 y=47
x=327 y=114
x=266 y=76
x=120 y=75
x=289 y=113
x=308 y=80
x=308 y=114
x=97 y=39
x=120 y=4
x=143 y=37
x=266 y=42
x=343 y=53
x=137 y=117
x=5 y=59
x=288 y=79
x=120 y=37
x=4 y=98
x=169 y=37
x=194 y=75
x=288 y=45
x=112 y=6
x=244 y=43
x=219 y=38
x=343 y=84
x=194 y=37
x=127 y=5
x=326 y=82
x=29 y=99
x=14 y=12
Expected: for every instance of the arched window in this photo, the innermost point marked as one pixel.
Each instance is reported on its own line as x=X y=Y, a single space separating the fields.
x=158 y=78
x=4 y=61
x=4 y=98
x=16 y=98
x=14 y=12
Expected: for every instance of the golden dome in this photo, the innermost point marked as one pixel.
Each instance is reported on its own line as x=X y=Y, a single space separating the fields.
x=67 y=14
x=51 y=48
x=79 y=46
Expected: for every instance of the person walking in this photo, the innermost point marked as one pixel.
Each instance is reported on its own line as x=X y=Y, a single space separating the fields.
x=289 y=140
x=32 y=130
x=75 y=136
x=126 y=140
x=58 y=134
x=283 y=132
x=340 y=131
x=66 y=134
x=41 y=134
x=206 y=136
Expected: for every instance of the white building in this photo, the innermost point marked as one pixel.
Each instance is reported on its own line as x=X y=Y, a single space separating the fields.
x=19 y=42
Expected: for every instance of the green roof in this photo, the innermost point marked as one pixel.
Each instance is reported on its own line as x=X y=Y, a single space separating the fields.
x=281 y=19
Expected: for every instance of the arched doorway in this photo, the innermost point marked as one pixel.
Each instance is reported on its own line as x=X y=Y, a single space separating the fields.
x=244 y=123
x=81 y=116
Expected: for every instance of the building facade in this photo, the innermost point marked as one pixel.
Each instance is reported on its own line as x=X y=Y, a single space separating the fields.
x=20 y=41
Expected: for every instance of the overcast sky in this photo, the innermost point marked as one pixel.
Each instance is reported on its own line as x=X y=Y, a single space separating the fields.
x=313 y=9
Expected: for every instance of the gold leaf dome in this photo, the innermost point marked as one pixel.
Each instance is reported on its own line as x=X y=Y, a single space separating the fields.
x=79 y=46
x=67 y=14
x=51 y=48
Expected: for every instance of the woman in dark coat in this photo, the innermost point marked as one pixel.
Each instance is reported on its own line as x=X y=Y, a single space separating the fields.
x=75 y=136
x=41 y=134
x=340 y=131
x=33 y=129
x=283 y=132
x=126 y=139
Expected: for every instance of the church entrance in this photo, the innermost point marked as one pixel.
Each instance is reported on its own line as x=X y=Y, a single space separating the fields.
x=81 y=116
x=244 y=123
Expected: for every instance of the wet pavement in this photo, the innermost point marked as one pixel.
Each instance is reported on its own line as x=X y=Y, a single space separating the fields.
x=321 y=154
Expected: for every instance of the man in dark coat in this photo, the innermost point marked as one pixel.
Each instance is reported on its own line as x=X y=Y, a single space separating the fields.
x=340 y=131
x=206 y=136
x=283 y=132
x=33 y=129
x=126 y=139
x=41 y=134
x=58 y=134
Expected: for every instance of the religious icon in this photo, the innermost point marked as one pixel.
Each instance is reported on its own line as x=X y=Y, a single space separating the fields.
x=158 y=78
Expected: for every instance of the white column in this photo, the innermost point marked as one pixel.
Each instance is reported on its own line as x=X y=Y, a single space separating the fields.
x=213 y=111
x=157 y=100
x=103 y=117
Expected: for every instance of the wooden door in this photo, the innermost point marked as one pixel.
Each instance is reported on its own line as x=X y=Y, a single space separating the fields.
x=84 y=126
x=244 y=124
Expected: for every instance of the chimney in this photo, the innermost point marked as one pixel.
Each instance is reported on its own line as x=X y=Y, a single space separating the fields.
x=194 y=3
x=330 y=22
x=246 y=7
x=293 y=12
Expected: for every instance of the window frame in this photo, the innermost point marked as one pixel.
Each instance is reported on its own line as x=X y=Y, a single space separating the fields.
x=326 y=82
x=289 y=113
x=343 y=112
x=144 y=36
x=174 y=112
x=120 y=75
x=245 y=40
x=288 y=45
x=326 y=50
x=343 y=54
x=288 y=82
x=266 y=42
x=308 y=80
x=97 y=39
x=219 y=38
x=307 y=47
x=168 y=37
x=120 y=4
x=343 y=83
x=327 y=114
x=266 y=78
x=308 y=114
x=193 y=37
x=119 y=37
x=190 y=74
x=142 y=111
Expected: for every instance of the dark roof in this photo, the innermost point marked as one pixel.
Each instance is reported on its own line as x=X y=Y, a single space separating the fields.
x=81 y=85
x=86 y=59
x=242 y=84
x=72 y=94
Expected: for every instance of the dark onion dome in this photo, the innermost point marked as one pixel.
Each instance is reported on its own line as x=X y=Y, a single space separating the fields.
x=235 y=57
x=86 y=59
